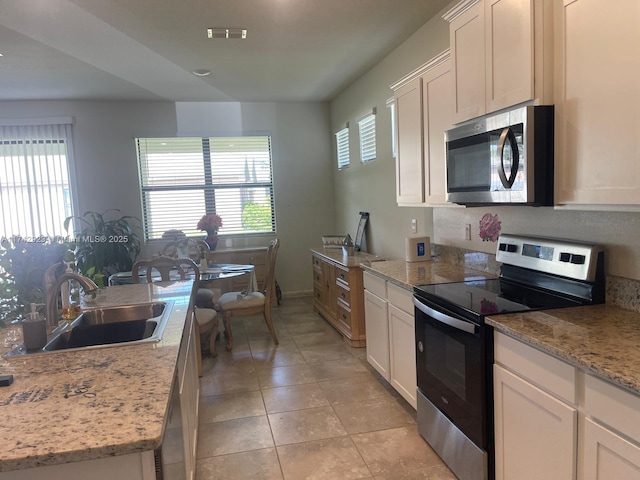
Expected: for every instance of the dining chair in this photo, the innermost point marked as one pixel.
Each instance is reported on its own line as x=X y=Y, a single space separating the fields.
x=192 y=248
x=205 y=314
x=235 y=304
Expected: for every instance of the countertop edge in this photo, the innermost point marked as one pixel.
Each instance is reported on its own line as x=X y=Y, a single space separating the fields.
x=593 y=367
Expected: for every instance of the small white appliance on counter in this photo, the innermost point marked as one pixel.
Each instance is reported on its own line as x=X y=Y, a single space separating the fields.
x=418 y=249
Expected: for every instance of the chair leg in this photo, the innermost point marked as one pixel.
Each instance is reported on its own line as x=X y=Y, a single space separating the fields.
x=226 y=320
x=269 y=322
x=213 y=337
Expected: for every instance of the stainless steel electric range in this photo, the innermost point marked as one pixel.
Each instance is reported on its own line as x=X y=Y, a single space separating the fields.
x=454 y=347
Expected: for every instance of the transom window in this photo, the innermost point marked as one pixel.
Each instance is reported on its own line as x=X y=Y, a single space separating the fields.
x=342 y=147
x=35 y=180
x=182 y=179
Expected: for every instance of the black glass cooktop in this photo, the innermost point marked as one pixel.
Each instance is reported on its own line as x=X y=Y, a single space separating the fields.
x=491 y=296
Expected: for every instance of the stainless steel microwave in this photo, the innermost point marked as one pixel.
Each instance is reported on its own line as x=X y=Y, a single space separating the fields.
x=506 y=158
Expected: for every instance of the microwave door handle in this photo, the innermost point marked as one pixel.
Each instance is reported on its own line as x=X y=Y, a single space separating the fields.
x=507 y=134
x=446 y=319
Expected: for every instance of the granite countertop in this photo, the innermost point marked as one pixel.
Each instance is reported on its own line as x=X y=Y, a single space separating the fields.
x=409 y=274
x=603 y=340
x=336 y=255
x=82 y=405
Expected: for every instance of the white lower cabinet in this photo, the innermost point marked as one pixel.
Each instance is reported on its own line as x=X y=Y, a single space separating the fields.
x=402 y=354
x=607 y=455
x=389 y=323
x=555 y=421
x=530 y=425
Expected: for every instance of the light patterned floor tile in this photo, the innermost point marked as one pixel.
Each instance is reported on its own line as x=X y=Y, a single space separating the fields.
x=293 y=397
x=331 y=459
x=305 y=425
x=258 y=464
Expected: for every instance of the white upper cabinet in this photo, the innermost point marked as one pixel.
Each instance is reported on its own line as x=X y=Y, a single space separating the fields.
x=409 y=165
x=501 y=51
x=597 y=97
x=423 y=113
x=466 y=37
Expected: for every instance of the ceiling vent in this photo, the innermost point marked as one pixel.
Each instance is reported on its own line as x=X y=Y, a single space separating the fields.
x=223 y=32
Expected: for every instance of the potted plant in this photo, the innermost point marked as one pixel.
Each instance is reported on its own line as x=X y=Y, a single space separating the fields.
x=104 y=247
x=22 y=267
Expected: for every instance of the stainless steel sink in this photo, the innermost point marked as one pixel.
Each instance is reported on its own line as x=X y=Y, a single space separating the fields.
x=102 y=327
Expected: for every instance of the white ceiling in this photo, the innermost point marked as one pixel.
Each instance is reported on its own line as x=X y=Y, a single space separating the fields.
x=296 y=50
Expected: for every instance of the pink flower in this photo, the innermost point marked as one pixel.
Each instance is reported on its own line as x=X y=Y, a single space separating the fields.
x=490 y=227
x=210 y=223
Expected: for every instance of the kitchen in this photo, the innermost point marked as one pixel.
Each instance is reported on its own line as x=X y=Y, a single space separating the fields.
x=304 y=150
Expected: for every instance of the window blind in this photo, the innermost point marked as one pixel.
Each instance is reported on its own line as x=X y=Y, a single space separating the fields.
x=182 y=179
x=342 y=147
x=35 y=180
x=367 y=129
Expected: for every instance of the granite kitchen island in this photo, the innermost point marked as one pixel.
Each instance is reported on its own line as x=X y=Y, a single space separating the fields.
x=101 y=410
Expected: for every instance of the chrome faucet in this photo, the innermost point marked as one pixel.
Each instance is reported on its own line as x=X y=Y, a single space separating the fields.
x=52 y=287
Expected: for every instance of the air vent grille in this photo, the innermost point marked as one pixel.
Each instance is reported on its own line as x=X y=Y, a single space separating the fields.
x=224 y=32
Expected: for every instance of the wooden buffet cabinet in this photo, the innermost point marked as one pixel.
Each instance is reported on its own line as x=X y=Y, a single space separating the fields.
x=338 y=292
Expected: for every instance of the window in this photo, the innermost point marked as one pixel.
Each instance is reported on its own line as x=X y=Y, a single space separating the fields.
x=181 y=179
x=35 y=180
x=367 y=129
x=342 y=147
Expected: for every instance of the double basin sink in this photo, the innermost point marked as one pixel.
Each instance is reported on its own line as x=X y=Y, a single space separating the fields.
x=101 y=327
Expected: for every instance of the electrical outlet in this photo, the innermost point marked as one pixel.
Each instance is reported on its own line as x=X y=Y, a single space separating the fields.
x=467 y=231
x=414 y=225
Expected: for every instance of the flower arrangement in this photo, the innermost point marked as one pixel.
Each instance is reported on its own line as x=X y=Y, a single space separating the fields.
x=490 y=227
x=211 y=223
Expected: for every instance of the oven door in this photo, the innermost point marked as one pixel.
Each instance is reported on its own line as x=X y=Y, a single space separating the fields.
x=451 y=361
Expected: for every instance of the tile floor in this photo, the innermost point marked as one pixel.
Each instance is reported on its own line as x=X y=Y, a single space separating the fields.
x=309 y=408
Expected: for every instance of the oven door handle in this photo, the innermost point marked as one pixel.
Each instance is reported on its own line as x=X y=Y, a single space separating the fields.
x=446 y=319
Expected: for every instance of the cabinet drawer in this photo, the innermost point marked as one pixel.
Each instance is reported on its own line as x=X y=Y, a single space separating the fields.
x=556 y=376
x=342 y=274
x=375 y=284
x=343 y=293
x=612 y=405
x=344 y=316
x=400 y=297
x=316 y=262
x=317 y=277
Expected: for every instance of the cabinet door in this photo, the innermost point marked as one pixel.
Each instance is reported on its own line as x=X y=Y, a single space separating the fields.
x=467 y=50
x=437 y=101
x=535 y=434
x=409 y=164
x=402 y=354
x=597 y=100
x=509 y=52
x=607 y=456
x=377 y=327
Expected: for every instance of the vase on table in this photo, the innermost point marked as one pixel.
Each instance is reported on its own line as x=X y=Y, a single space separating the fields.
x=212 y=239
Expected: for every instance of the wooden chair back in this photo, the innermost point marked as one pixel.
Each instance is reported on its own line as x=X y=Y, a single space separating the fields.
x=194 y=249
x=270 y=278
x=164 y=265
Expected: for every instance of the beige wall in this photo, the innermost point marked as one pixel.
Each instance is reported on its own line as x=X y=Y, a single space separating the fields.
x=372 y=187
x=106 y=168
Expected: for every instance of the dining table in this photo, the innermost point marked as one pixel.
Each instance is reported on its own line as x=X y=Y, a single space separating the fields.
x=213 y=272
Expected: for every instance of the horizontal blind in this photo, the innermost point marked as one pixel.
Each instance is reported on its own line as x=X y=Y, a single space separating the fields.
x=342 y=147
x=35 y=181
x=367 y=129
x=182 y=179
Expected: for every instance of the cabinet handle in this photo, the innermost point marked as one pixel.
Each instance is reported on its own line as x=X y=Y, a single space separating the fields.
x=343 y=296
